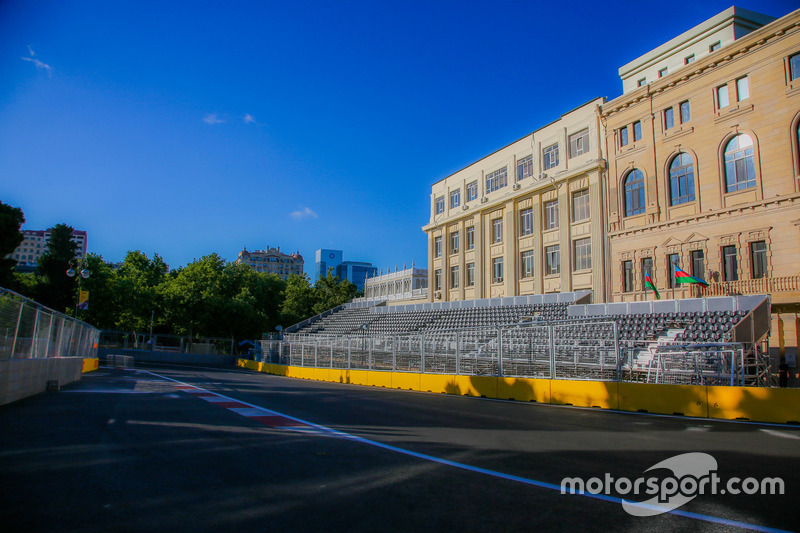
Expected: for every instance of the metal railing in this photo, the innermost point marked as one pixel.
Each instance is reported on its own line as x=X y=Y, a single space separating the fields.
x=29 y=330
x=576 y=350
x=750 y=286
x=126 y=340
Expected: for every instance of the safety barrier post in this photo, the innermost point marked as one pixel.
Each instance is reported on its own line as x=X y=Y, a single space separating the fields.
x=458 y=353
x=499 y=351
x=422 y=353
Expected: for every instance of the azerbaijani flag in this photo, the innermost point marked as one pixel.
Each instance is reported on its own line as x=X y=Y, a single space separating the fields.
x=683 y=277
x=648 y=284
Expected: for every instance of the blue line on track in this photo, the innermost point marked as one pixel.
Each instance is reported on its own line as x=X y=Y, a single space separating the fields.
x=527 y=481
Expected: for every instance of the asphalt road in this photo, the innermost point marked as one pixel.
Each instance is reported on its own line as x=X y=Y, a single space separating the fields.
x=203 y=450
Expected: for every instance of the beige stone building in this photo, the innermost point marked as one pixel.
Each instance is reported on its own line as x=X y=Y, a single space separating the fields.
x=704 y=168
x=273 y=261
x=526 y=219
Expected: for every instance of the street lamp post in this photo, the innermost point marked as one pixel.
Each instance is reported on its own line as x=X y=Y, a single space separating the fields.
x=84 y=273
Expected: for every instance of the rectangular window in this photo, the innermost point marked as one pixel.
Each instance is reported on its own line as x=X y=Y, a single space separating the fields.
x=669 y=118
x=552 y=260
x=551 y=156
x=437 y=247
x=496 y=180
x=497 y=270
x=580 y=205
x=470 y=238
x=730 y=263
x=642 y=82
x=722 y=96
x=440 y=205
x=686 y=112
x=688 y=59
x=637 y=131
x=525 y=168
x=662 y=72
x=579 y=143
x=582 y=249
x=647 y=268
x=623 y=136
x=698 y=264
x=470 y=274
x=454 y=243
x=627 y=276
x=526 y=221
x=455 y=198
x=794 y=67
x=437 y=280
x=551 y=214
x=672 y=262
x=454 y=277
x=714 y=47
x=472 y=191
x=527 y=264
x=742 y=89
x=758 y=259
x=497 y=230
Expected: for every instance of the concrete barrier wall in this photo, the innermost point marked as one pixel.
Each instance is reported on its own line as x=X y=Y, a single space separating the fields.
x=726 y=403
x=144 y=356
x=20 y=378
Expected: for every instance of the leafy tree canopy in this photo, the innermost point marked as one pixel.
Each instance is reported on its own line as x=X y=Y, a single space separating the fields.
x=11 y=220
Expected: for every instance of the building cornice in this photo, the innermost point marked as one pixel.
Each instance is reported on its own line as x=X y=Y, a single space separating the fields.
x=756 y=39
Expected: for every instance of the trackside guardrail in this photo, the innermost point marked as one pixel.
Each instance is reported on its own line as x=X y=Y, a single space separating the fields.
x=28 y=330
x=576 y=350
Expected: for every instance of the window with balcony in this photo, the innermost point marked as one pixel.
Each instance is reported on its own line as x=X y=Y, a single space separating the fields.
x=698 y=264
x=730 y=263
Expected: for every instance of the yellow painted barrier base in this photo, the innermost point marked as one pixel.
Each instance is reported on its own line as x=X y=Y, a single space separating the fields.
x=725 y=403
x=90 y=365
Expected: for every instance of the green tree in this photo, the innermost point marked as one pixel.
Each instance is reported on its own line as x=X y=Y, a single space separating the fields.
x=194 y=297
x=331 y=291
x=104 y=298
x=11 y=220
x=58 y=291
x=299 y=300
x=139 y=288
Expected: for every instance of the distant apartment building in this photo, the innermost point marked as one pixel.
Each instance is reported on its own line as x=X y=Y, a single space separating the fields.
x=273 y=261
x=355 y=272
x=34 y=245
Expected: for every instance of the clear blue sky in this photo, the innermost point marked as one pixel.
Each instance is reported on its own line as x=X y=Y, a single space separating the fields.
x=186 y=128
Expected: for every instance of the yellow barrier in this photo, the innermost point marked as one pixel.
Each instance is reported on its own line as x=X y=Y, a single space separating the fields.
x=601 y=394
x=405 y=381
x=752 y=403
x=748 y=403
x=376 y=378
x=524 y=389
x=90 y=365
x=688 y=400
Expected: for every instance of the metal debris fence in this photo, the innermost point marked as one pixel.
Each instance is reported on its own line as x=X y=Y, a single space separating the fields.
x=576 y=350
x=28 y=330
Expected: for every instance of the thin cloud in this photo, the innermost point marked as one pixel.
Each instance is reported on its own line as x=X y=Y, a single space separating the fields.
x=303 y=213
x=249 y=119
x=213 y=119
x=39 y=64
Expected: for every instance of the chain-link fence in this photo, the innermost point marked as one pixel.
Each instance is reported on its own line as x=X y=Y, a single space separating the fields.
x=30 y=330
x=578 y=350
x=124 y=340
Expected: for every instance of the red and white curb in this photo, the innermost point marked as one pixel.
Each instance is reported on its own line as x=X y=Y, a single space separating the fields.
x=259 y=414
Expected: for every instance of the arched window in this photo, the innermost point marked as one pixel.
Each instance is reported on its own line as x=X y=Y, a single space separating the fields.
x=681 y=179
x=634 y=193
x=740 y=165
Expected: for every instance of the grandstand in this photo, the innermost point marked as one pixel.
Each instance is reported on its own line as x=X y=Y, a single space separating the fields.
x=556 y=336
